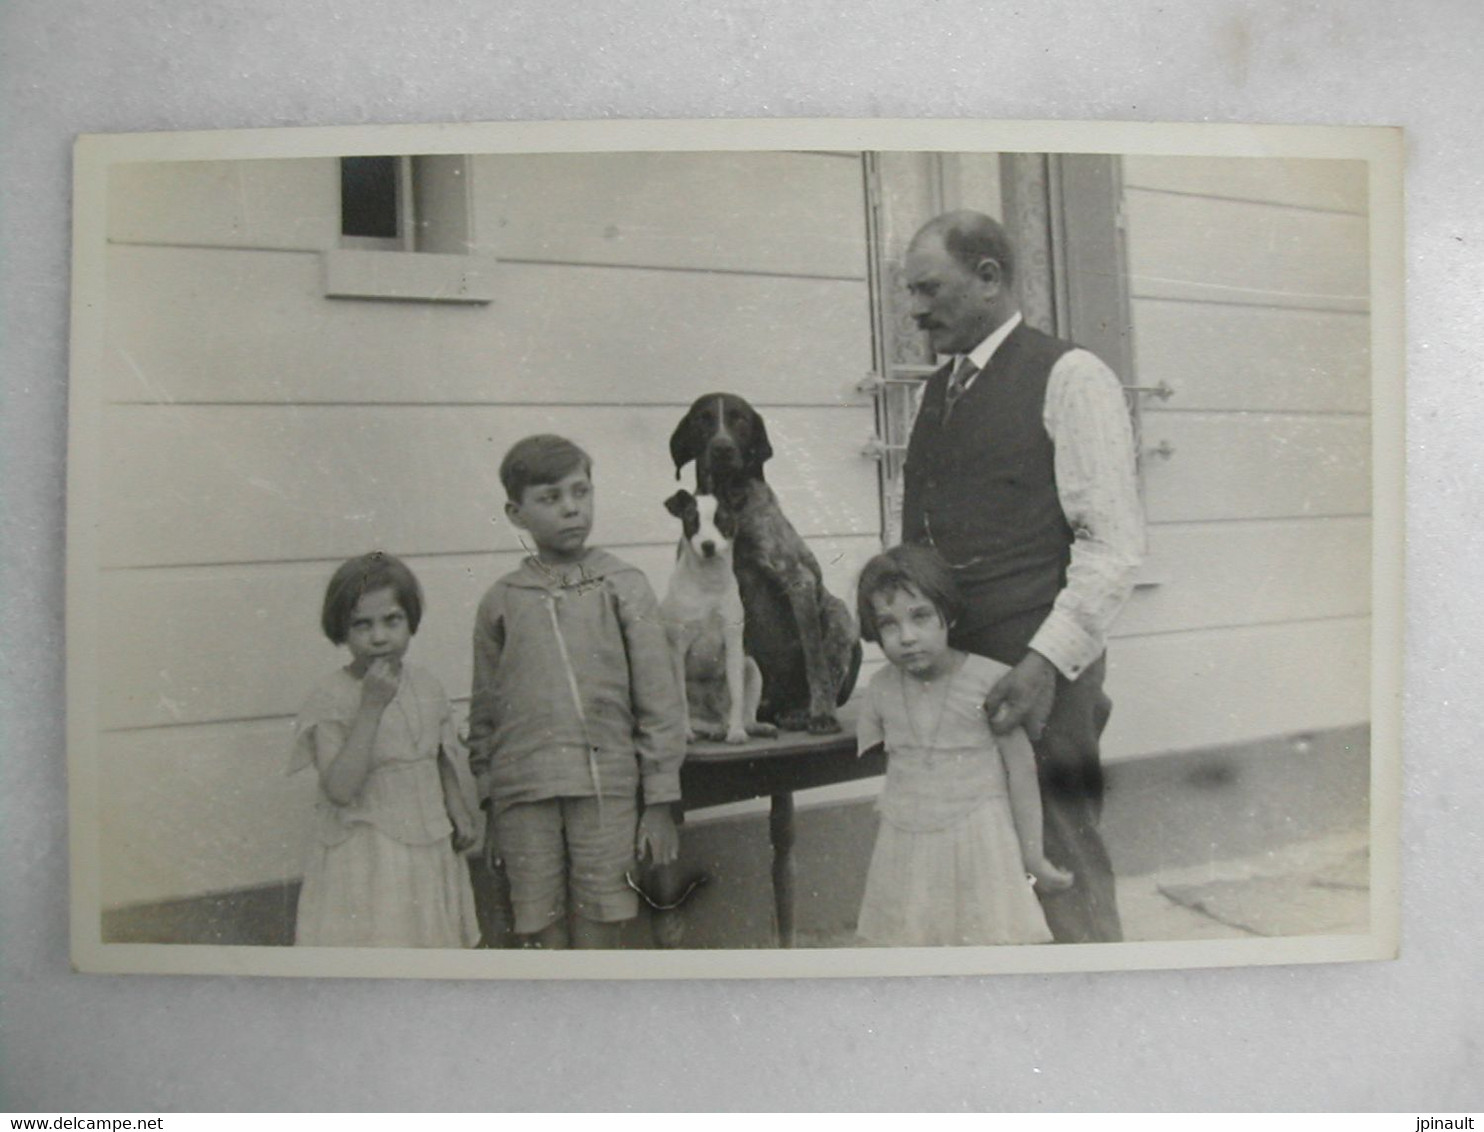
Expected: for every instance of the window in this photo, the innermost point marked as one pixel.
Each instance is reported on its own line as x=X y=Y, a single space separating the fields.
x=410 y=204
x=423 y=205
x=371 y=201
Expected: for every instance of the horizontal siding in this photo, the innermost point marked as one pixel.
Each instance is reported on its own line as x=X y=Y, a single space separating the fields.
x=1252 y=252
x=189 y=324
x=1252 y=574
x=1217 y=578
x=1250 y=290
x=1218 y=356
x=1255 y=466
x=1210 y=687
x=768 y=213
x=230 y=204
x=191 y=485
x=191 y=646
x=248 y=820
x=194 y=810
x=1330 y=185
x=261 y=432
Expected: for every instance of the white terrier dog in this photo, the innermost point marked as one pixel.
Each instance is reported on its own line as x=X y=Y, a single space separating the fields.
x=702 y=609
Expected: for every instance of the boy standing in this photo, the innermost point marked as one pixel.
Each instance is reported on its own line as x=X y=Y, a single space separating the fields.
x=574 y=708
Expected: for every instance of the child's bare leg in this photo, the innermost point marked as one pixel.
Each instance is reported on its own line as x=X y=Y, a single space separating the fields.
x=593 y=935
x=1025 y=808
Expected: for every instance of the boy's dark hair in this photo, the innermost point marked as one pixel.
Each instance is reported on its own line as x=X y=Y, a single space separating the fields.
x=904 y=567
x=540 y=460
x=367 y=574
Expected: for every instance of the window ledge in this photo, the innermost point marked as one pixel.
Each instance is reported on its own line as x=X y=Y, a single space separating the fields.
x=425 y=277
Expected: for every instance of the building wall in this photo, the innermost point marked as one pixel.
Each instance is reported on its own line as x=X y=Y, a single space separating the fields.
x=258 y=433
x=1249 y=294
x=1248 y=297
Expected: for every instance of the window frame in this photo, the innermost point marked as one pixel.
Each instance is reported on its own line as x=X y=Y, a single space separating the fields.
x=403 y=268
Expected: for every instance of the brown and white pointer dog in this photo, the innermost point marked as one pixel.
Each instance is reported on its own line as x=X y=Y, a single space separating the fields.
x=803 y=638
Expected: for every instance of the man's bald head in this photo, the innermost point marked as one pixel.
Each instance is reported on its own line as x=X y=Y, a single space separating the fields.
x=959 y=271
x=971 y=237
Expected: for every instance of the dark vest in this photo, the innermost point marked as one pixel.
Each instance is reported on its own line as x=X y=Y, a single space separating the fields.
x=982 y=489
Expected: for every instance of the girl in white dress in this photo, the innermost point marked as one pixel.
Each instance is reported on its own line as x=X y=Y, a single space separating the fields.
x=960 y=844
x=395 y=808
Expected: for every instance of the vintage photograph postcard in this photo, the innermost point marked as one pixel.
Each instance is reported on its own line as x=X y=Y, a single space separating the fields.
x=734 y=549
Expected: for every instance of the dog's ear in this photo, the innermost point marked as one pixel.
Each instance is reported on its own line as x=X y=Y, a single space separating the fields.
x=684 y=446
x=680 y=503
x=759 y=451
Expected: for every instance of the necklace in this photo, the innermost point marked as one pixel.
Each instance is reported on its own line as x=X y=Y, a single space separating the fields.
x=942 y=709
x=414 y=728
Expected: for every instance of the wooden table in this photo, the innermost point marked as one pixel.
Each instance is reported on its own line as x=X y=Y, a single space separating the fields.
x=714 y=774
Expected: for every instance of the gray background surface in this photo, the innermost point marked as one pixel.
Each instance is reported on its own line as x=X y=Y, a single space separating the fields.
x=1402 y=1035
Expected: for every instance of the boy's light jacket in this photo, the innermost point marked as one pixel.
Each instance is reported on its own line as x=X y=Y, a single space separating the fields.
x=540 y=648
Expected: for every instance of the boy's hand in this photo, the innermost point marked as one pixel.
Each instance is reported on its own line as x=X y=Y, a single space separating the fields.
x=379 y=685
x=490 y=854
x=465 y=828
x=657 y=835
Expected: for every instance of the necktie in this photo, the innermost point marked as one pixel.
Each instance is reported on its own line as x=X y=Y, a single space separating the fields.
x=958 y=382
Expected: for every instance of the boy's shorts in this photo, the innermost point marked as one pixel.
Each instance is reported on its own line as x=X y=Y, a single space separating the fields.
x=557 y=845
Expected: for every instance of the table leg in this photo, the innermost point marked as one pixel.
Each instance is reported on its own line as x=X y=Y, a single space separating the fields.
x=781 y=833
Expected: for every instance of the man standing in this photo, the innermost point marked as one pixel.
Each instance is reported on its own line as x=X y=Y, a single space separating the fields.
x=1020 y=471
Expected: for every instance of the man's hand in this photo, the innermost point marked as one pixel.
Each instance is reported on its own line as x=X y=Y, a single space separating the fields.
x=1022 y=697
x=657 y=835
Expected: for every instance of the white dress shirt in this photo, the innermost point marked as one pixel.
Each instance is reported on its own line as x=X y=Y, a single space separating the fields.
x=1088 y=421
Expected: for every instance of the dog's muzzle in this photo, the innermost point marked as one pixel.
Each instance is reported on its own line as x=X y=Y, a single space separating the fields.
x=723 y=452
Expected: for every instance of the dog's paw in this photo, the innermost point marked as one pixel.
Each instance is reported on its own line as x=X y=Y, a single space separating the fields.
x=710 y=732
x=762 y=730
x=794 y=721
x=824 y=724
x=736 y=736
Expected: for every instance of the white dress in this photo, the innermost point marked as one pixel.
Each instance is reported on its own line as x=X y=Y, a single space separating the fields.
x=947 y=867
x=382 y=871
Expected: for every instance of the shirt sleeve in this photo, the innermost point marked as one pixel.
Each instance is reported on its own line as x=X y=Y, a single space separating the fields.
x=489 y=644
x=319 y=732
x=1087 y=419
x=659 y=730
x=870 y=729
x=451 y=750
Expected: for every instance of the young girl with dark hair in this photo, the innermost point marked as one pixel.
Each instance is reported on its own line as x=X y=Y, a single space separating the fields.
x=395 y=807
x=960 y=844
